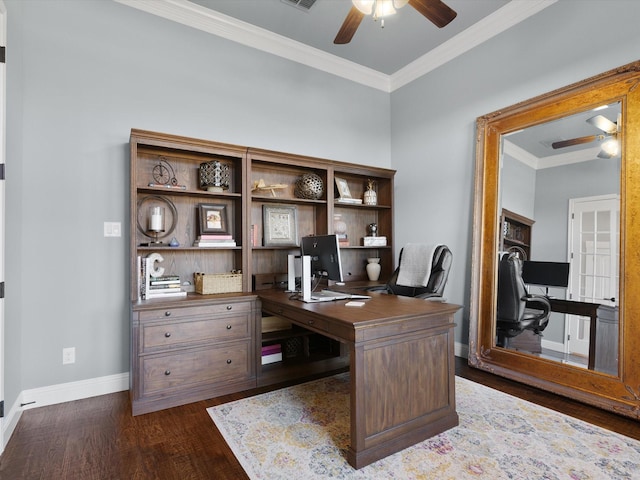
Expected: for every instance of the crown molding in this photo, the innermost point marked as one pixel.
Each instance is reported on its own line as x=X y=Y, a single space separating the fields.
x=210 y=21
x=538 y=163
x=502 y=19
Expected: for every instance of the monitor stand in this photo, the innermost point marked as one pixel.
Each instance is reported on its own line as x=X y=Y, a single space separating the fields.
x=304 y=263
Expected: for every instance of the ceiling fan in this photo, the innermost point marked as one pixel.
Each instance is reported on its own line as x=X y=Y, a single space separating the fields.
x=436 y=11
x=609 y=148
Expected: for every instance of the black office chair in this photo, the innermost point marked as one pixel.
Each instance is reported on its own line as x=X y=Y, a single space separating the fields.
x=434 y=289
x=517 y=310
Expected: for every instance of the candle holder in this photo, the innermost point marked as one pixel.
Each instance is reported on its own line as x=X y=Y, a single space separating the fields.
x=161 y=218
x=156 y=223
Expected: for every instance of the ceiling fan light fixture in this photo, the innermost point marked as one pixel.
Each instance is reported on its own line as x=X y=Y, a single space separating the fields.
x=379 y=8
x=611 y=147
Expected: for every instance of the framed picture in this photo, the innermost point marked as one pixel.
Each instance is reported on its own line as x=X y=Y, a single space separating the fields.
x=343 y=188
x=213 y=218
x=280 y=225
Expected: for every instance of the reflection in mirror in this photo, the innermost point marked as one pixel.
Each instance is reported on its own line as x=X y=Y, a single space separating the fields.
x=559 y=202
x=559 y=207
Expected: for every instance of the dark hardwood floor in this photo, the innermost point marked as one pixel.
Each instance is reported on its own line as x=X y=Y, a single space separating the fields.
x=97 y=438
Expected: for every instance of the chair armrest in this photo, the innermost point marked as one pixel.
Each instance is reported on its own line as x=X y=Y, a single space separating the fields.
x=538 y=302
x=379 y=288
x=431 y=296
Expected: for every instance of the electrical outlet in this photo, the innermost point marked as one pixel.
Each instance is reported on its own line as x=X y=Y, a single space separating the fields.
x=68 y=355
x=112 y=229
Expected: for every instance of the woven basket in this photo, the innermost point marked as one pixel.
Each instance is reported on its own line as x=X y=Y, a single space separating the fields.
x=207 y=284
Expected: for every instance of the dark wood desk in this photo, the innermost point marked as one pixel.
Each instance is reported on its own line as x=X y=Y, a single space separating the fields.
x=603 y=332
x=402 y=366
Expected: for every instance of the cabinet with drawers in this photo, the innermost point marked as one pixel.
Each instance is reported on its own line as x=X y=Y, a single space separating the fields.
x=190 y=350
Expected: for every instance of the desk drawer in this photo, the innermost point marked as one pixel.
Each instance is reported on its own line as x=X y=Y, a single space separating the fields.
x=190 y=312
x=298 y=316
x=222 y=328
x=167 y=373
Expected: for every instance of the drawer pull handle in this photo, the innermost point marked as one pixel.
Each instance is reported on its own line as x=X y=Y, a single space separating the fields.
x=168 y=334
x=228 y=327
x=167 y=372
x=228 y=361
x=229 y=307
x=167 y=313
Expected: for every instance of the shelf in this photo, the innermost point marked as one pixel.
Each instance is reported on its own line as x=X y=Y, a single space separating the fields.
x=361 y=205
x=199 y=193
x=299 y=201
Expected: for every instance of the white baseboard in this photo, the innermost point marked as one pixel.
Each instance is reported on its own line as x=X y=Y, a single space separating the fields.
x=461 y=350
x=68 y=392
x=555 y=346
x=64 y=392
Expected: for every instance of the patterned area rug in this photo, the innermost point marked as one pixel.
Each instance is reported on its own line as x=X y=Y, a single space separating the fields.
x=303 y=431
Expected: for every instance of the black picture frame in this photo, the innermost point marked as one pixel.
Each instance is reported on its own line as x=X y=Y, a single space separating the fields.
x=212 y=218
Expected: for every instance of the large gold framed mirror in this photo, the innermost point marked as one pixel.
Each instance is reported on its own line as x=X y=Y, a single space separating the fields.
x=562 y=229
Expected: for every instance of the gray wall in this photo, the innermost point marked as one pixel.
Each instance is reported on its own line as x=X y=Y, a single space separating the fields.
x=82 y=74
x=517 y=187
x=433 y=118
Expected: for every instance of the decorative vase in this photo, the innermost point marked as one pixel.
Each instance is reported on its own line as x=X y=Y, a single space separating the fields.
x=309 y=186
x=339 y=225
x=370 y=195
x=373 y=268
x=214 y=176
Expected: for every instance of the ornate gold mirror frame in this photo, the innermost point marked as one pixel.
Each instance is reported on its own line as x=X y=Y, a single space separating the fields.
x=621 y=392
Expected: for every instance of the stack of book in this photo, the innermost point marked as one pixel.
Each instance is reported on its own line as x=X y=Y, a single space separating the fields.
x=343 y=240
x=214 y=240
x=351 y=201
x=271 y=354
x=165 y=286
x=160 y=286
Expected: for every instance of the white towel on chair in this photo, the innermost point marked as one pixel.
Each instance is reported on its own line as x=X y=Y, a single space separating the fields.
x=415 y=264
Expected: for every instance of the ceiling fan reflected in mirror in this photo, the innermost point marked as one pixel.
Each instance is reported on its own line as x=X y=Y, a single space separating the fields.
x=610 y=147
x=436 y=11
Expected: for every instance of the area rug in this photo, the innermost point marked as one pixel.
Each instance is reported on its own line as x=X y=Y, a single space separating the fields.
x=302 y=432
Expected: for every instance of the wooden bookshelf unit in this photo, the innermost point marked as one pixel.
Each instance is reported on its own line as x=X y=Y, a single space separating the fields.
x=222 y=333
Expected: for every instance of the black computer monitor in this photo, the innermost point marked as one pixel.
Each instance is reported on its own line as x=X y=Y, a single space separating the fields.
x=546 y=274
x=324 y=251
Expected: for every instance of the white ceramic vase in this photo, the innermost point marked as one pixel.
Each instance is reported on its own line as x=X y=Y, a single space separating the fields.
x=370 y=197
x=373 y=268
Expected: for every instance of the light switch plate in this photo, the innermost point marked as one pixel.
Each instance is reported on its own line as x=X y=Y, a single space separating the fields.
x=112 y=229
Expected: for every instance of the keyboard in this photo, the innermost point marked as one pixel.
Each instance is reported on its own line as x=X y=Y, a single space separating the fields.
x=330 y=296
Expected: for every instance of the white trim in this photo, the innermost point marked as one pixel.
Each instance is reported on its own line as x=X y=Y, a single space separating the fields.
x=3 y=134
x=11 y=418
x=207 y=20
x=538 y=163
x=63 y=392
x=520 y=154
x=461 y=350
x=68 y=392
x=502 y=19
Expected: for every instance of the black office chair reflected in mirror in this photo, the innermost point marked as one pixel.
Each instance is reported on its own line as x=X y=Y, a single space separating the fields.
x=433 y=288
x=517 y=310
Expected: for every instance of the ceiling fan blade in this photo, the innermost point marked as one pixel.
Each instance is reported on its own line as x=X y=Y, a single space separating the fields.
x=436 y=11
x=603 y=123
x=349 y=26
x=576 y=141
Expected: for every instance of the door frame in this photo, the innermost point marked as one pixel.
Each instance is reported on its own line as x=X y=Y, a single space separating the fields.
x=3 y=128
x=573 y=258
